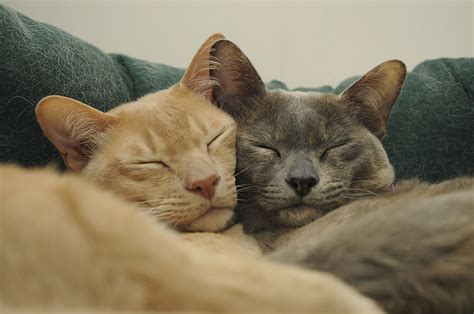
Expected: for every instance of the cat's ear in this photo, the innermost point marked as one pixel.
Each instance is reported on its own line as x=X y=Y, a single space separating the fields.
x=197 y=76
x=371 y=97
x=237 y=79
x=72 y=127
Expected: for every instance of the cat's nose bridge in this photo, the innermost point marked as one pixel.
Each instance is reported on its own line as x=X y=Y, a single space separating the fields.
x=201 y=177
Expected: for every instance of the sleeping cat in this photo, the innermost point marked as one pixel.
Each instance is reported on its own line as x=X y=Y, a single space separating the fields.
x=302 y=156
x=171 y=152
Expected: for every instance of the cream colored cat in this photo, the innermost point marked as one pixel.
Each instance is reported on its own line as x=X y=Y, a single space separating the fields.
x=171 y=152
x=68 y=245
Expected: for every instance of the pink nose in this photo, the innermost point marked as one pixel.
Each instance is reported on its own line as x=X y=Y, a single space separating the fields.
x=206 y=186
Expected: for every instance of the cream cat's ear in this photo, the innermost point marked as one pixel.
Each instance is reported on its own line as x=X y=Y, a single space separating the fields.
x=197 y=76
x=236 y=77
x=371 y=97
x=72 y=127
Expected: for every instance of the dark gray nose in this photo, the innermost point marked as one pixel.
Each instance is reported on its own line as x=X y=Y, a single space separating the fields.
x=302 y=186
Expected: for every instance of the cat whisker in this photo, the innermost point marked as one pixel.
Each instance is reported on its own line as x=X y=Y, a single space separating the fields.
x=365 y=191
x=249 y=188
x=160 y=214
x=139 y=203
x=176 y=223
x=150 y=211
x=242 y=171
x=244 y=184
x=361 y=181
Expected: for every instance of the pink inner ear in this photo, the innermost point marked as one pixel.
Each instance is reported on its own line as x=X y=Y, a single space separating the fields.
x=197 y=77
x=60 y=139
x=66 y=122
x=374 y=94
x=74 y=161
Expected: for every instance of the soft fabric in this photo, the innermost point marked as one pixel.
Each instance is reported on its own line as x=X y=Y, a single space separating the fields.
x=430 y=134
x=37 y=60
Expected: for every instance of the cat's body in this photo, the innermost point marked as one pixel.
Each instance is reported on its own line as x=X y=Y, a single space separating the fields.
x=315 y=161
x=67 y=245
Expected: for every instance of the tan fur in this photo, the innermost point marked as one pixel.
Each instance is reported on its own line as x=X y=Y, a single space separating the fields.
x=155 y=151
x=232 y=241
x=68 y=245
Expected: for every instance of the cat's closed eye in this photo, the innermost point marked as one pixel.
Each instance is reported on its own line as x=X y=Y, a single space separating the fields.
x=268 y=148
x=331 y=148
x=217 y=141
x=158 y=163
x=214 y=140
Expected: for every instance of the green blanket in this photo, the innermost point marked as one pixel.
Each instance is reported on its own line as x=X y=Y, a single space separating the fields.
x=430 y=133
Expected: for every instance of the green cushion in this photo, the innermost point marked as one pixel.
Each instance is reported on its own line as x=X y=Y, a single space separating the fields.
x=430 y=133
x=37 y=60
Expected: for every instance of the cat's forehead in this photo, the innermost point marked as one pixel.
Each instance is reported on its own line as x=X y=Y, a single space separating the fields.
x=170 y=109
x=170 y=123
x=300 y=119
x=294 y=101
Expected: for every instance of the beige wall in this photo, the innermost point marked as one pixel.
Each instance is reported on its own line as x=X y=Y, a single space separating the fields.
x=300 y=42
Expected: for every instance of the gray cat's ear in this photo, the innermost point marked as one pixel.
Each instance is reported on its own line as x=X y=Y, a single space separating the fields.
x=72 y=127
x=197 y=76
x=237 y=80
x=371 y=97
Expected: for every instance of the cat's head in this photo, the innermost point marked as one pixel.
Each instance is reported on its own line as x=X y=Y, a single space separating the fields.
x=300 y=155
x=172 y=152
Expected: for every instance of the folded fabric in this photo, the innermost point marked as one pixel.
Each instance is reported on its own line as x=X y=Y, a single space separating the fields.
x=430 y=133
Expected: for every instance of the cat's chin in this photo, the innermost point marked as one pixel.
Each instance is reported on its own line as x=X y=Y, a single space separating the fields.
x=297 y=216
x=213 y=220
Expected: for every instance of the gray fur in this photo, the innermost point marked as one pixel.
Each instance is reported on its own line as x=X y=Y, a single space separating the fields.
x=415 y=259
x=327 y=144
x=286 y=134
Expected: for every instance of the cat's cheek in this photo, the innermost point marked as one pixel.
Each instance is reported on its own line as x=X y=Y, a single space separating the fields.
x=266 y=167
x=336 y=168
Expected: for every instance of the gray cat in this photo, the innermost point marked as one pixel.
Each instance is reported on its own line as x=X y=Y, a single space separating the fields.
x=315 y=184
x=301 y=155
